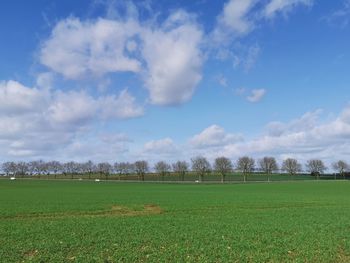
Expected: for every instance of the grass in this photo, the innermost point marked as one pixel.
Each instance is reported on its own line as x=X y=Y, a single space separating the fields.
x=80 y=221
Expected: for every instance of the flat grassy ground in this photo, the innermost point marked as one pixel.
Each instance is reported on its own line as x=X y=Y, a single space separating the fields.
x=80 y=221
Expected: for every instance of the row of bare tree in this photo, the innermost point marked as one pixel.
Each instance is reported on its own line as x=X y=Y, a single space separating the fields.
x=200 y=165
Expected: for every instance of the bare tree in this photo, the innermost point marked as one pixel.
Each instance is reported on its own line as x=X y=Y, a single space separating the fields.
x=54 y=167
x=130 y=168
x=181 y=168
x=41 y=167
x=9 y=168
x=89 y=167
x=291 y=166
x=70 y=168
x=32 y=167
x=122 y=168
x=201 y=166
x=246 y=165
x=21 y=168
x=316 y=167
x=162 y=168
x=268 y=165
x=104 y=169
x=341 y=167
x=223 y=166
x=141 y=168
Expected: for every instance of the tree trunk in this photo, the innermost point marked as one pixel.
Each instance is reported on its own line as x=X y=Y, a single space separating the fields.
x=222 y=178
x=200 y=177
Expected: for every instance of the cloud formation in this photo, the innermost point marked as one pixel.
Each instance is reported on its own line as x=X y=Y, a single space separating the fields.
x=36 y=122
x=278 y=6
x=214 y=136
x=256 y=95
x=168 y=56
x=78 y=49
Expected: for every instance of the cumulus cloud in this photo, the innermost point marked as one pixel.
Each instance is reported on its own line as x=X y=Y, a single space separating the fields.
x=18 y=99
x=38 y=122
x=256 y=95
x=78 y=49
x=162 y=146
x=72 y=107
x=167 y=56
x=174 y=59
x=305 y=122
x=234 y=19
x=214 y=136
x=305 y=137
x=122 y=106
x=110 y=147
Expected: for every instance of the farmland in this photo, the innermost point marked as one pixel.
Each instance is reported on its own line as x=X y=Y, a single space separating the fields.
x=86 y=221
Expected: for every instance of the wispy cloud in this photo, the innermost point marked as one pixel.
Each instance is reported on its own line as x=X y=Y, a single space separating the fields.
x=256 y=95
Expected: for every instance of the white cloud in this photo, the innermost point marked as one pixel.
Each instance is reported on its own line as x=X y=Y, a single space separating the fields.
x=18 y=99
x=214 y=136
x=305 y=122
x=110 y=147
x=303 y=138
x=122 y=106
x=45 y=80
x=168 y=56
x=234 y=19
x=162 y=146
x=73 y=107
x=40 y=122
x=239 y=17
x=256 y=95
x=174 y=59
x=78 y=49
x=276 y=6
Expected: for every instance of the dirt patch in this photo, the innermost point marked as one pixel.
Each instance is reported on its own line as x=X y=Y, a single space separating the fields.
x=31 y=253
x=342 y=256
x=115 y=210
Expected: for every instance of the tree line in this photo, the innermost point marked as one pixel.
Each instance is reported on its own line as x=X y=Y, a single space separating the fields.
x=199 y=165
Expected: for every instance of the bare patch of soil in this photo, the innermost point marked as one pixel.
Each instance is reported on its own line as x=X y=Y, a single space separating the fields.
x=115 y=210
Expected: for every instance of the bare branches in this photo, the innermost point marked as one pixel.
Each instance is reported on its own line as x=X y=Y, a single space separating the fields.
x=181 y=168
x=291 y=166
x=316 y=167
x=141 y=168
x=341 y=167
x=223 y=166
x=162 y=168
x=201 y=166
x=246 y=165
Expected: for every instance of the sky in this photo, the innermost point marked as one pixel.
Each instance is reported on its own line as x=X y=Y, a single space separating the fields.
x=109 y=80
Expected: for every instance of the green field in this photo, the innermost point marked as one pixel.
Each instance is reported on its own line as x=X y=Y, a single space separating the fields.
x=81 y=221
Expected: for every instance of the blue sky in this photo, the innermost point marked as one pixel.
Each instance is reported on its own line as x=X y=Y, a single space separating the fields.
x=117 y=80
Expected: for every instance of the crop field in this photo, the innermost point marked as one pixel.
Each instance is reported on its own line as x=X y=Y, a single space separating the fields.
x=85 y=221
